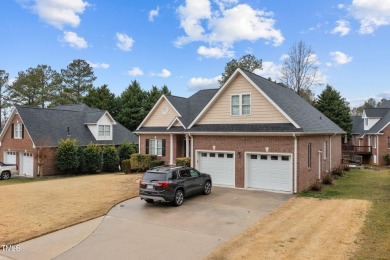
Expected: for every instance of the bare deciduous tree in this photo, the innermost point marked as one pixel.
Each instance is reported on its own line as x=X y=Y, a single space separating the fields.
x=299 y=69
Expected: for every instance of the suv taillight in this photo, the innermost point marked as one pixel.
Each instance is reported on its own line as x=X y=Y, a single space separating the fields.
x=142 y=182
x=163 y=184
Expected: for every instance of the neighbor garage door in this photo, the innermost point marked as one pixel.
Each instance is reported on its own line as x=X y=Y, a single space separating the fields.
x=10 y=157
x=220 y=165
x=27 y=164
x=269 y=172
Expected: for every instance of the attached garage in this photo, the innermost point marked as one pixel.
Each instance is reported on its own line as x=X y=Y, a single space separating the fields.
x=220 y=165
x=269 y=171
x=9 y=157
x=27 y=164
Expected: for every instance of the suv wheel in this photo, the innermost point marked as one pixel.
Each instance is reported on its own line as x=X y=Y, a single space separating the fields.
x=207 y=188
x=6 y=175
x=179 y=198
x=149 y=201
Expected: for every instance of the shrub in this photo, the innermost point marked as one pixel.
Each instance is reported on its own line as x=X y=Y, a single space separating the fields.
x=141 y=162
x=338 y=171
x=183 y=161
x=156 y=163
x=92 y=158
x=386 y=157
x=126 y=150
x=315 y=186
x=327 y=179
x=110 y=158
x=126 y=166
x=346 y=167
x=67 y=155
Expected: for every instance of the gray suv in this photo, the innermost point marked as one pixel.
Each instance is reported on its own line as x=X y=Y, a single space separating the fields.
x=173 y=184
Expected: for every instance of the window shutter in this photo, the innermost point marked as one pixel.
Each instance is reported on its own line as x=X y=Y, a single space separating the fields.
x=22 y=131
x=147 y=146
x=12 y=133
x=163 y=147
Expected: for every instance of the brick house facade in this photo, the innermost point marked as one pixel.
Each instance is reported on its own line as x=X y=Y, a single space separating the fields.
x=285 y=145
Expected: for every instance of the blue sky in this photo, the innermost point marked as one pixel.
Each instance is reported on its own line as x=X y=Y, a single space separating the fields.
x=186 y=44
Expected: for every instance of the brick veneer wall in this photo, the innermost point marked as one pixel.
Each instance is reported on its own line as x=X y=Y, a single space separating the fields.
x=165 y=158
x=382 y=145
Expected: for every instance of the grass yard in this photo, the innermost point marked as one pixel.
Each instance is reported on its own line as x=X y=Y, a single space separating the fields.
x=349 y=220
x=374 y=186
x=34 y=207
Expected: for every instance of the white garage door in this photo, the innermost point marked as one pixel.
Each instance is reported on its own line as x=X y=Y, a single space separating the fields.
x=10 y=157
x=28 y=165
x=220 y=165
x=269 y=172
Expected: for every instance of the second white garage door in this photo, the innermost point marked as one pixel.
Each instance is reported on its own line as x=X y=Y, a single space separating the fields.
x=27 y=164
x=220 y=165
x=269 y=172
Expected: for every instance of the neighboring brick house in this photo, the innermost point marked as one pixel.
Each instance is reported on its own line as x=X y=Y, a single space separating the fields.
x=30 y=132
x=250 y=133
x=371 y=133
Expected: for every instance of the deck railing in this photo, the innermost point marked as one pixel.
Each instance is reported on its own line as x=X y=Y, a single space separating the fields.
x=357 y=149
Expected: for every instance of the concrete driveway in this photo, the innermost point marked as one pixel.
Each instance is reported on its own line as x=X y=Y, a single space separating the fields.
x=137 y=230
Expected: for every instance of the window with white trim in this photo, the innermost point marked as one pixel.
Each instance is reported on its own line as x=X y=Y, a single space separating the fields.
x=18 y=131
x=388 y=142
x=155 y=147
x=104 y=130
x=325 y=150
x=240 y=104
x=374 y=141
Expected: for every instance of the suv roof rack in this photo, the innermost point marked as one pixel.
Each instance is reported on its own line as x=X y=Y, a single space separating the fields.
x=163 y=168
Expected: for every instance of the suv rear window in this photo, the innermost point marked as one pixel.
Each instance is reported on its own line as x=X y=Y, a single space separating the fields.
x=155 y=176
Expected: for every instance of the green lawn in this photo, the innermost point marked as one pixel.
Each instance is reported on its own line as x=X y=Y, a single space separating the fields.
x=373 y=185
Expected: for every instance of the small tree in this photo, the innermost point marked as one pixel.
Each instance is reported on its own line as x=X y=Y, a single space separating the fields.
x=126 y=150
x=248 y=62
x=67 y=156
x=92 y=158
x=110 y=158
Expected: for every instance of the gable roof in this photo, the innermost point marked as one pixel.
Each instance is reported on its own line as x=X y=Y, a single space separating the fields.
x=47 y=126
x=385 y=104
x=303 y=116
x=376 y=112
x=381 y=113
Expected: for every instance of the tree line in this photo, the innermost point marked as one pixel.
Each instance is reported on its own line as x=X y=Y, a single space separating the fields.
x=44 y=87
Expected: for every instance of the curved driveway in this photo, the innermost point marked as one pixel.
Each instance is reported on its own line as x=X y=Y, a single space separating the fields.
x=137 y=230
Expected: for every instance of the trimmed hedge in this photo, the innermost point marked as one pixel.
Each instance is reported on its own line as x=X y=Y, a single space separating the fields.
x=126 y=166
x=126 y=149
x=141 y=162
x=110 y=158
x=156 y=163
x=67 y=156
x=92 y=158
x=183 y=161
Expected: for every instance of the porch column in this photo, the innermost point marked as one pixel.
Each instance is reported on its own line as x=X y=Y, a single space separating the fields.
x=171 y=149
x=187 y=146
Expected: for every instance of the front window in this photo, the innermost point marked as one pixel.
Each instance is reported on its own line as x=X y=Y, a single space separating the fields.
x=104 y=130
x=374 y=141
x=309 y=155
x=241 y=104
x=325 y=149
x=156 y=147
x=388 y=142
x=18 y=131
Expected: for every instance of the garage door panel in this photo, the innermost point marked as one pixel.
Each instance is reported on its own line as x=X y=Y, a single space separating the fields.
x=271 y=172
x=220 y=165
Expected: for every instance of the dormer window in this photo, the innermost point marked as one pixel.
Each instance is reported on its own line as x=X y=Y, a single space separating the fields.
x=240 y=104
x=104 y=130
x=366 y=121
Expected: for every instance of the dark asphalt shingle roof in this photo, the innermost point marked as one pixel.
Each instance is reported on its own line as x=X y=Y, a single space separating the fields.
x=47 y=126
x=357 y=124
x=376 y=112
x=385 y=104
x=302 y=113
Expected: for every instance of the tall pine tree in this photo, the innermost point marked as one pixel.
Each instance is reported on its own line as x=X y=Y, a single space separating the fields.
x=335 y=107
x=102 y=98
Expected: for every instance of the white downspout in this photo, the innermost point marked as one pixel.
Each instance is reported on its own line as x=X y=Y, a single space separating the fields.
x=191 y=151
x=330 y=152
x=171 y=149
x=295 y=163
x=377 y=149
x=139 y=144
x=187 y=146
x=319 y=164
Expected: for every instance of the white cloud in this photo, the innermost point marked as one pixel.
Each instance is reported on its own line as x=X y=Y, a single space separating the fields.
x=328 y=64
x=340 y=57
x=98 y=65
x=215 y=52
x=125 y=43
x=340 y=6
x=135 y=71
x=204 y=83
x=153 y=14
x=74 y=40
x=371 y=14
x=163 y=74
x=58 y=13
x=223 y=27
x=342 y=28
x=270 y=70
x=11 y=81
